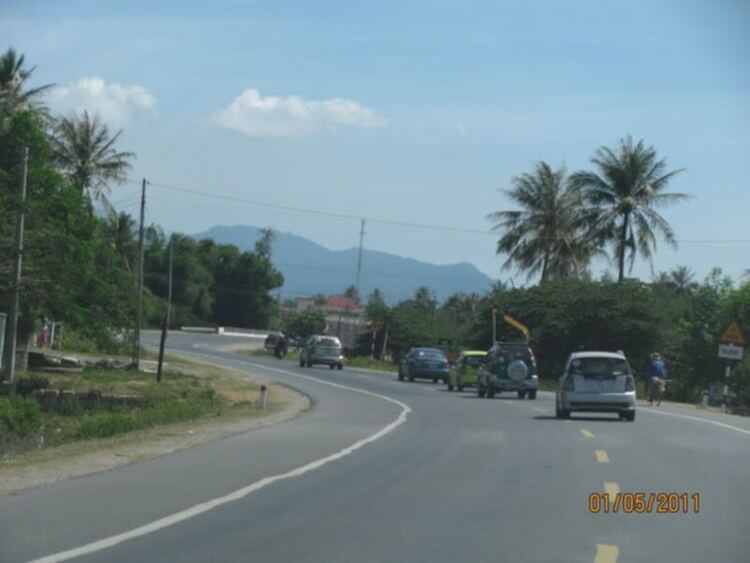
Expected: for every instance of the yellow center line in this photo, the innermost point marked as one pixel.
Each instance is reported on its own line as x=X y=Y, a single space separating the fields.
x=601 y=456
x=612 y=489
x=587 y=434
x=606 y=553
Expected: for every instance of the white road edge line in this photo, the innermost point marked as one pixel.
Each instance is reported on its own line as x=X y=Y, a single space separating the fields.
x=699 y=419
x=200 y=508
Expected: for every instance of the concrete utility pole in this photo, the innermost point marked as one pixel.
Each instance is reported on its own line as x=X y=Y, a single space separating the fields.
x=165 y=328
x=139 y=296
x=359 y=257
x=15 y=285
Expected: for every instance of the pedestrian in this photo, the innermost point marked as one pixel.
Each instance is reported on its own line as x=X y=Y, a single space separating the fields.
x=657 y=373
x=43 y=335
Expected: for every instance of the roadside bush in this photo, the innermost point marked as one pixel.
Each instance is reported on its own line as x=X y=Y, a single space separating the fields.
x=103 y=342
x=105 y=425
x=19 y=416
x=25 y=385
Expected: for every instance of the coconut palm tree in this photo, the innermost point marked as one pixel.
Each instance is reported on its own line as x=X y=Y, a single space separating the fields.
x=85 y=151
x=122 y=230
x=13 y=78
x=549 y=234
x=629 y=184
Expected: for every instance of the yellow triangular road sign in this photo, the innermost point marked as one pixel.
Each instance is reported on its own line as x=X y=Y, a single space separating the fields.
x=733 y=335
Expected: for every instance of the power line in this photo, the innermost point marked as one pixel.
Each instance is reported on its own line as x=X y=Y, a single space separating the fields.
x=409 y=224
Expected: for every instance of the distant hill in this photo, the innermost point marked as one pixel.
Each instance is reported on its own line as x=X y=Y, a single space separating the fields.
x=310 y=268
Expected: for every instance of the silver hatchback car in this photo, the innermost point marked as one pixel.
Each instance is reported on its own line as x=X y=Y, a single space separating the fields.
x=596 y=382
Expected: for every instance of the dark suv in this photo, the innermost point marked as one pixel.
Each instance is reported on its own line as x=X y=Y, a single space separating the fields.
x=511 y=366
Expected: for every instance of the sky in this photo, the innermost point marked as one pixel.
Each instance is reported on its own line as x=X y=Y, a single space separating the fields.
x=408 y=111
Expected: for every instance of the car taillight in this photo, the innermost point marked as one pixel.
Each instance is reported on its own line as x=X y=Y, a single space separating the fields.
x=568 y=385
x=630 y=383
x=532 y=357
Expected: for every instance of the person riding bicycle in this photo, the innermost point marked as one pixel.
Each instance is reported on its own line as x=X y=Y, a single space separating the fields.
x=657 y=373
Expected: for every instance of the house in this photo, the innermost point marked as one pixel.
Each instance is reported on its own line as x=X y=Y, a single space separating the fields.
x=302 y=304
x=341 y=304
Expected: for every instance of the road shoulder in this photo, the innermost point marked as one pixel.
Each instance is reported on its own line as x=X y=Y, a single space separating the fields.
x=44 y=467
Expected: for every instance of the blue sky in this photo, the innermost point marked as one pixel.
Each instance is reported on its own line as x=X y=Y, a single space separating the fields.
x=411 y=111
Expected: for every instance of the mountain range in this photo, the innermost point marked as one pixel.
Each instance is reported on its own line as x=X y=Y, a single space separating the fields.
x=310 y=268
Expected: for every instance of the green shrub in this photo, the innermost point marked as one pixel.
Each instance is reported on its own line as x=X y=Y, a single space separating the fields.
x=19 y=416
x=105 y=425
x=25 y=385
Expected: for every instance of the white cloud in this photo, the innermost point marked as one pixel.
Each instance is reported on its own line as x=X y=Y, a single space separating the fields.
x=114 y=102
x=275 y=116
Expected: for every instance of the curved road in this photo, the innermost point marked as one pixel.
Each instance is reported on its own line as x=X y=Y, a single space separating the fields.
x=380 y=470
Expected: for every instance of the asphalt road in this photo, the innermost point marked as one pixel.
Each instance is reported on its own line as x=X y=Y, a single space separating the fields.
x=380 y=470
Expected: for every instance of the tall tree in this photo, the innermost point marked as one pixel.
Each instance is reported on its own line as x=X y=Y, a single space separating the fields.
x=681 y=279
x=425 y=300
x=14 y=75
x=548 y=235
x=629 y=185
x=263 y=246
x=352 y=293
x=85 y=151
x=121 y=230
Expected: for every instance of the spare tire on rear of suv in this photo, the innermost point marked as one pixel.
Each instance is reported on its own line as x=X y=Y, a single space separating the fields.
x=518 y=370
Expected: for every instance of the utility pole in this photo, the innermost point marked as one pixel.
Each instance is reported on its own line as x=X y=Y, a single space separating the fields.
x=359 y=257
x=165 y=327
x=15 y=296
x=494 y=325
x=385 y=342
x=139 y=296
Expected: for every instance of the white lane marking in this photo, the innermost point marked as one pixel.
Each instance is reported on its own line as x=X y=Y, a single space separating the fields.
x=699 y=419
x=200 y=508
x=601 y=456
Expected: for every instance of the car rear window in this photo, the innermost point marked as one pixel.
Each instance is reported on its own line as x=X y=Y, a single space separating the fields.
x=599 y=366
x=430 y=354
x=475 y=361
x=330 y=342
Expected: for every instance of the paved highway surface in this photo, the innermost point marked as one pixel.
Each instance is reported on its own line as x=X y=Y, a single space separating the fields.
x=380 y=470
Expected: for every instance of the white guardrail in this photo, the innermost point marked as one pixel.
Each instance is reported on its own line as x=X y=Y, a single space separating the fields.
x=228 y=331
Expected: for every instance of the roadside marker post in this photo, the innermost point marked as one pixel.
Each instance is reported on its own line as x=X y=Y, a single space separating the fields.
x=732 y=344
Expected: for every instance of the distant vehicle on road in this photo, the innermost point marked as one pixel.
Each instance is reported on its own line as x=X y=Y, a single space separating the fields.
x=596 y=382
x=511 y=366
x=320 y=349
x=424 y=363
x=464 y=370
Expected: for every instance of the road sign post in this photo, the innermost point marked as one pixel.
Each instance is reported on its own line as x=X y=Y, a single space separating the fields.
x=494 y=325
x=732 y=344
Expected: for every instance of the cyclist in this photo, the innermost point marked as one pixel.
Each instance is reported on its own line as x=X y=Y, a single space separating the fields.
x=657 y=373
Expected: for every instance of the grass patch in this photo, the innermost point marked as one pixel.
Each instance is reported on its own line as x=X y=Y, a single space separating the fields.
x=202 y=394
x=547 y=384
x=355 y=362
x=374 y=364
